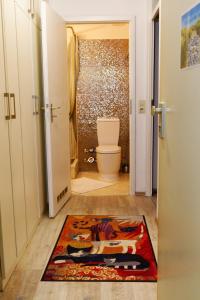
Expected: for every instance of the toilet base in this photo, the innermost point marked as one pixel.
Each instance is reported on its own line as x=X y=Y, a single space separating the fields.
x=109 y=177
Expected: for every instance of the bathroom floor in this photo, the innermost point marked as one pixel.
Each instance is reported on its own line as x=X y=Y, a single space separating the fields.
x=119 y=188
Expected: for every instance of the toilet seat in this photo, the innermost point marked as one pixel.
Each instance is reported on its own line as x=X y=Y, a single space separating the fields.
x=108 y=149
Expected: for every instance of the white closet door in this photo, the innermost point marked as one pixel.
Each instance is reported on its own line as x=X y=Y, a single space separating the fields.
x=24 y=36
x=56 y=108
x=7 y=226
x=25 y=5
x=15 y=124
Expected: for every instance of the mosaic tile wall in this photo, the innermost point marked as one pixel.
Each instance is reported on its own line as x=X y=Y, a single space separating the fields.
x=102 y=91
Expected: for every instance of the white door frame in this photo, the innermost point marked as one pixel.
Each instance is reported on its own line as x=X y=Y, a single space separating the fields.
x=132 y=82
x=150 y=97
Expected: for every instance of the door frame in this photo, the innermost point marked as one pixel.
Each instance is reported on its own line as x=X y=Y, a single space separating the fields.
x=132 y=83
x=149 y=167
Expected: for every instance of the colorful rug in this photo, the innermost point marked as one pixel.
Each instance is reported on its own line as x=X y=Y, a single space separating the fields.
x=102 y=248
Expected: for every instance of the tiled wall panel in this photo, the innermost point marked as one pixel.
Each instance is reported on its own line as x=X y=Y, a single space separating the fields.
x=102 y=91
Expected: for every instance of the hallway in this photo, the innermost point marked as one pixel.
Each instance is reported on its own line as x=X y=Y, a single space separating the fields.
x=25 y=282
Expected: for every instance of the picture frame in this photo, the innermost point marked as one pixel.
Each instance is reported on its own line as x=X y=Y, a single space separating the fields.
x=190 y=37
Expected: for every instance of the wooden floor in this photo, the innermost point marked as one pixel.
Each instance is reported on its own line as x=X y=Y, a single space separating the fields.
x=25 y=283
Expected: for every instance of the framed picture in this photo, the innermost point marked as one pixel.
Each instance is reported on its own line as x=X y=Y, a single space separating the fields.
x=190 y=38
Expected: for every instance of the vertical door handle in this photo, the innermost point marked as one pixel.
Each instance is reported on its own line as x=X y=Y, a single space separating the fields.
x=161 y=111
x=52 y=110
x=35 y=110
x=37 y=105
x=13 y=114
x=34 y=105
x=30 y=7
x=7 y=106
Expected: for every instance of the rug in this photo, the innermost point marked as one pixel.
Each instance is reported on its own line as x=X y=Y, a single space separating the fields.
x=103 y=248
x=85 y=185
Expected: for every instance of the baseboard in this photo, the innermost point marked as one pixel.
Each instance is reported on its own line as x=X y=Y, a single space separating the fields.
x=140 y=194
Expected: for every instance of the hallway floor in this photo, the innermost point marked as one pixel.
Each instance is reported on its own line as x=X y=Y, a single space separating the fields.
x=25 y=283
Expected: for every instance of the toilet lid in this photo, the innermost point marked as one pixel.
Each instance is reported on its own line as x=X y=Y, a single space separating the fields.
x=108 y=149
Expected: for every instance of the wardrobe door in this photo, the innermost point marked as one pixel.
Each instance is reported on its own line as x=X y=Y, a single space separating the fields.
x=26 y=5
x=7 y=227
x=25 y=65
x=15 y=133
x=39 y=130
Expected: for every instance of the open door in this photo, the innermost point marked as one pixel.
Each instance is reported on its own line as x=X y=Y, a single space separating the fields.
x=54 y=48
x=179 y=156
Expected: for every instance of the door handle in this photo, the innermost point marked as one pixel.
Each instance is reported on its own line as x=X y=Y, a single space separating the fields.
x=31 y=8
x=7 y=106
x=13 y=115
x=36 y=105
x=52 y=109
x=161 y=111
x=155 y=110
x=47 y=106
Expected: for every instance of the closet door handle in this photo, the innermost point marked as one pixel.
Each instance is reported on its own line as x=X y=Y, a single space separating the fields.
x=7 y=106
x=30 y=7
x=12 y=97
x=36 y=105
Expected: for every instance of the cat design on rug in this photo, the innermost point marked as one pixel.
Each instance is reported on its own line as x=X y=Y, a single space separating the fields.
x=132 y=265
x=80 y=236
x=99 y=247
x=125 y=244
x=105 y=228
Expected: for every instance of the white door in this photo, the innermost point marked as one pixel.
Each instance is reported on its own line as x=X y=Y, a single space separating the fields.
x=26 y=83
x=26 y=5
x=12 y=80
x=179 y=163
x=7 y=223
x=56 y=109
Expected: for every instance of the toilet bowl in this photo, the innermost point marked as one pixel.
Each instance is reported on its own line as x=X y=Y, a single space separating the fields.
x=108 y=152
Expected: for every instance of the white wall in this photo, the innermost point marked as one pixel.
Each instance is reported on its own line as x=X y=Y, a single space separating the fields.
x=73 y=10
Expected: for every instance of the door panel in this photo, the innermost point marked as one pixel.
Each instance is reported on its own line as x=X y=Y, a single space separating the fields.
x=179 y=165
x=155 y=103
x=25 y=64
x=37 y=74
x=25 y=5
x=7 y=226
x=55 y=93
x=15 y=124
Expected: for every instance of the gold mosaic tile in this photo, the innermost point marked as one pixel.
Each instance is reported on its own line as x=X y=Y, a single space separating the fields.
x=104 y=53
x=102 y=91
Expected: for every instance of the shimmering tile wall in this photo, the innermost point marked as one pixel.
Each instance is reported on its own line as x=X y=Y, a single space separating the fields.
x=102 y=91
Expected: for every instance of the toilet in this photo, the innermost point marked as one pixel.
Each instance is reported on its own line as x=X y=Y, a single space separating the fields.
x=108 y=152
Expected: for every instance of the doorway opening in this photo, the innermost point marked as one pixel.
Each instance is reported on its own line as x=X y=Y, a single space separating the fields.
x=98 y=94
x=155 y=102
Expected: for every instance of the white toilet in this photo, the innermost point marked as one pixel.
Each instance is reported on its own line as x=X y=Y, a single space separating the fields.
x=108 y=152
